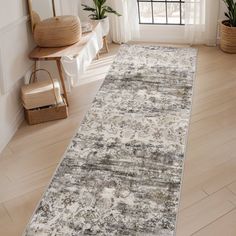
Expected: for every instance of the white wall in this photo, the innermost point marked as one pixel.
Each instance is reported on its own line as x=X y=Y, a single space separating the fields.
x=43 y=8
x=222 y=10
x=15 y=44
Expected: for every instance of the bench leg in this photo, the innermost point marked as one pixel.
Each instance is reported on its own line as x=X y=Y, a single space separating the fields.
x=98 y=56
x=35 y=68
x=62 y=80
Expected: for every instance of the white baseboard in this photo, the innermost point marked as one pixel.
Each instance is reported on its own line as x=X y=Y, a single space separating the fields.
x=11 y=129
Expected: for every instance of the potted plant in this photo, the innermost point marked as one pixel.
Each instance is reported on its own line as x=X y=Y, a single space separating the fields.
x=99 y=13
x=228 y=28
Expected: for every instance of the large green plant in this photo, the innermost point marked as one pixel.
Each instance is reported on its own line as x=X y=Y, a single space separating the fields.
x=231 y=14
x=99 y=10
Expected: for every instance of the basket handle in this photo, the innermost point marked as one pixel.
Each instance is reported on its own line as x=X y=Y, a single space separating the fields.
x=53 y=85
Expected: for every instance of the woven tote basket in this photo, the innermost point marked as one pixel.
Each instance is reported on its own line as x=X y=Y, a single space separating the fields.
x=48 y=113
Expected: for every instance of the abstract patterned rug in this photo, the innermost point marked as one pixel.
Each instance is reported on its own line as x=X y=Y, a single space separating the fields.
x=121 y=174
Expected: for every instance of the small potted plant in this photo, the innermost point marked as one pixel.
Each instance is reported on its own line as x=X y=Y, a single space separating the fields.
x=228 y=28
x=99 y=13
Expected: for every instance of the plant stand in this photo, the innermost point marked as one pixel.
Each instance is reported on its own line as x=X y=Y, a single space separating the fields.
x=105 y=43
x=105 y=31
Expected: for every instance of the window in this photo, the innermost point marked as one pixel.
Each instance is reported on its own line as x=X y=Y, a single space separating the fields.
x=165 y=12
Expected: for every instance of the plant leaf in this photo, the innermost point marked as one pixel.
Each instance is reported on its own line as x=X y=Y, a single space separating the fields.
x=231 y=14
x=110 y=10
x=234 y=16
x=88 y=8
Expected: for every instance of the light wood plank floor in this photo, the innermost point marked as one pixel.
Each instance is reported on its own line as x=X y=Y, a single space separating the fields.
x=208 y=197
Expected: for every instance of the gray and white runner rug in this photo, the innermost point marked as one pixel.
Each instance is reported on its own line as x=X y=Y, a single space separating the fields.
x=121 y=174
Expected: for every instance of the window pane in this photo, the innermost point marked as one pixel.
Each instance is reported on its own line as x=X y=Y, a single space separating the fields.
x=183 y=14
x=159 y=12
x=145 y=9
x=173 y=13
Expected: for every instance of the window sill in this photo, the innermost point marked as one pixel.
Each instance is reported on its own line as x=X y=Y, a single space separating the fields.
x=162 y=33
x=161 y=24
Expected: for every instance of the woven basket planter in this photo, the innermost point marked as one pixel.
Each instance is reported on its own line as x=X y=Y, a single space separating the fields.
x=228 y=38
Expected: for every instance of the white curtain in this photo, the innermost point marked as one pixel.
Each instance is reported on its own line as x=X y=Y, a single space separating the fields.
x=126 y=27
x=201 y=21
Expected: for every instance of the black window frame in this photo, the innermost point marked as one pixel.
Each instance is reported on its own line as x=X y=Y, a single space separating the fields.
x=181 y=2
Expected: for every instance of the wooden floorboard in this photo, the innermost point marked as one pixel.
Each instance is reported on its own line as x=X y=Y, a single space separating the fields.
x=208 y=196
